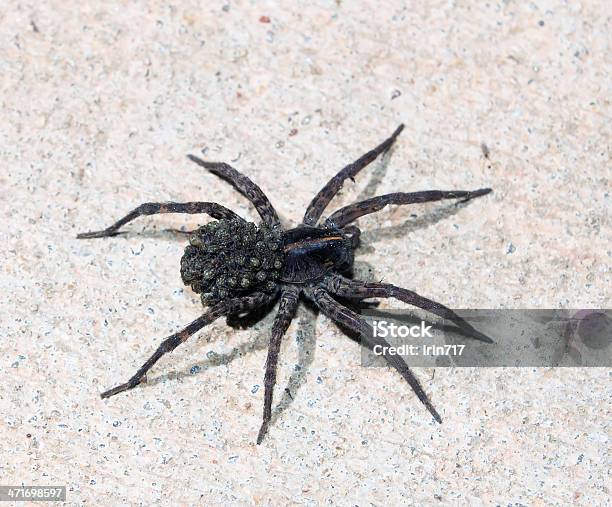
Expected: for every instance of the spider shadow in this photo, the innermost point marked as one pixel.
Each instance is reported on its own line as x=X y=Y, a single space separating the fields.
x=427 y=219
x=377 y=175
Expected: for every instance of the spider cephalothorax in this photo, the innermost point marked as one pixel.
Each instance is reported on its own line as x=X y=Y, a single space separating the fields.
x=311 y=252
x=239 y=267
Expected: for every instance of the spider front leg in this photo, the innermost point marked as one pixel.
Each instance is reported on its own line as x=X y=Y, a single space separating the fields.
x=286 y=311
x=352 y=212
x=346 y=317
x=327 y=193
x=153 y=208
x=343 y=287
x=169 y=344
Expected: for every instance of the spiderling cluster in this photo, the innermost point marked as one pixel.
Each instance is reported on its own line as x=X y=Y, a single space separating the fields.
x=227 y=259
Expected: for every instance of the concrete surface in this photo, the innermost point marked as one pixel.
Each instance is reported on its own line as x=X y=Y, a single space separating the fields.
x=100 y=105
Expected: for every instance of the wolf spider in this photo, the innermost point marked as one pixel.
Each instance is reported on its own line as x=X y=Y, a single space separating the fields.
x=238 y=267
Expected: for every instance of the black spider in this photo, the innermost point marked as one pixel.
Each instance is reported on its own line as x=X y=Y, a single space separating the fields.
x=238 y=267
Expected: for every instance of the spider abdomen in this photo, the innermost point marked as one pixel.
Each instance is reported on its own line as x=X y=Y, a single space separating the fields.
x=231 y=258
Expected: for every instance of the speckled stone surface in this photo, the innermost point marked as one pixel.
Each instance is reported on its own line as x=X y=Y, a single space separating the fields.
x=99 y=107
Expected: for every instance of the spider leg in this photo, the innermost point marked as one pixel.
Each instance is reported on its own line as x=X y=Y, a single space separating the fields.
x=325 y=195
x=352 y=212
x=153 y=208
x=171 y=342
x=288 y=304
x=343 y=287
x=346 y=317
x=245 y=186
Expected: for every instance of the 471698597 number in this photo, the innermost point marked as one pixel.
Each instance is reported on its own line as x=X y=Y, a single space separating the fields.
x=32 y=493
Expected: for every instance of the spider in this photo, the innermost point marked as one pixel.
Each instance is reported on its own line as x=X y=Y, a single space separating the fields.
x=238 y=267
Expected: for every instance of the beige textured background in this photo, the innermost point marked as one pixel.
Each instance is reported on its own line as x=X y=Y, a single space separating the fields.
x=99 y=106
